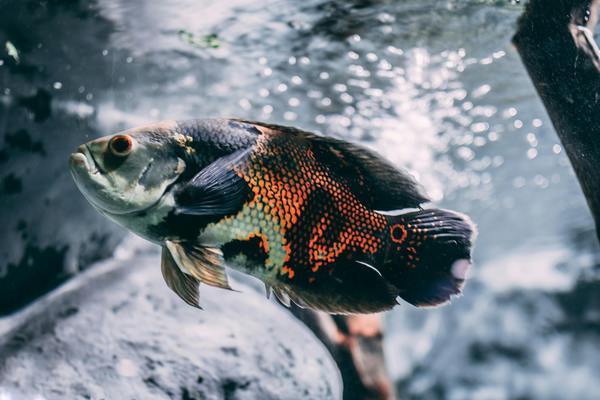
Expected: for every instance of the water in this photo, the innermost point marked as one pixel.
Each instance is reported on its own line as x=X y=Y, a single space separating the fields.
x=435 y=86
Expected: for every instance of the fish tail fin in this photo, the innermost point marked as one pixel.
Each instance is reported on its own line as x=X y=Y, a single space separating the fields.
x=429 y=254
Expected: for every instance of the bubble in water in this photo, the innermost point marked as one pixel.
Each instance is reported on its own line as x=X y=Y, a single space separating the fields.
x=395 y=50
x=465 y=153
x=324 y=75
x=532 y=153
x=57 y=85
x=245 y=104
x=481 y=91
x=480 y=127
x=372 y=57
x=557 y=149
x=384 y=65
x=290 y=116
x=386 y=18
x=509 y=112
x=314 y=94
x=340 y=87
x=519 y=182
x=493 y=136
x=479 y=141
x=541 y=181
x=346 y=98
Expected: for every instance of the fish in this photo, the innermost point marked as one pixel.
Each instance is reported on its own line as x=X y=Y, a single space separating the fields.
x=326 y=224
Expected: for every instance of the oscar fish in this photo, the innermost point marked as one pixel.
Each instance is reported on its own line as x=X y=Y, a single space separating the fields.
x=322 y=222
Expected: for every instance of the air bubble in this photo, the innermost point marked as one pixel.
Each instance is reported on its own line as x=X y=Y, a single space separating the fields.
x=557 y=149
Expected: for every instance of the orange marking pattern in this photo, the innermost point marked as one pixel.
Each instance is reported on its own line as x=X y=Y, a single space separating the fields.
x=282 y=177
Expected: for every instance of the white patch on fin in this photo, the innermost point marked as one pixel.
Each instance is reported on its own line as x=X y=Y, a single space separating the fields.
x=460 y=269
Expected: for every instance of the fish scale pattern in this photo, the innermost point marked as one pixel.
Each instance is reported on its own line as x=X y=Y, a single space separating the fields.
x=318 y=219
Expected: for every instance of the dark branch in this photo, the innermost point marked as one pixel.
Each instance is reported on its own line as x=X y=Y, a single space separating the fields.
x=555 y=41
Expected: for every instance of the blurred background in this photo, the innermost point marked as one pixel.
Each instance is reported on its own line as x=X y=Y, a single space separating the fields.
x=433 y=85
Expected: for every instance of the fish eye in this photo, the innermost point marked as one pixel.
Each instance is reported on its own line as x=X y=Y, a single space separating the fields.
x=121 y=145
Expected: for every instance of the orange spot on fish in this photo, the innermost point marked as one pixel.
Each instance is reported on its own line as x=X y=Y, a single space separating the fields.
x=398 y=233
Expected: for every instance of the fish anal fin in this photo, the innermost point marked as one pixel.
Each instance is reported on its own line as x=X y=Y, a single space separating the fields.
x=204 y=263
x=352 y=288
x=185 y=286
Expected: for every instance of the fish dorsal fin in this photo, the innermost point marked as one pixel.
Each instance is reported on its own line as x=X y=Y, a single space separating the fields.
x=216 y=189
x=374 y=180
x=204 y=263
x=185 y=286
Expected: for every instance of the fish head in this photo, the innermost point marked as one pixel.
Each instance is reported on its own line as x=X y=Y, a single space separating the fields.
x=129 y=171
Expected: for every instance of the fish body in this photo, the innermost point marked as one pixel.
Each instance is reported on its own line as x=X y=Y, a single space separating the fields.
x=306 y=214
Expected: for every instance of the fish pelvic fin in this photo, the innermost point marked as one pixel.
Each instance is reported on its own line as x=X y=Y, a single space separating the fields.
x=205 y=264
x=429 y=255
x=185 y=286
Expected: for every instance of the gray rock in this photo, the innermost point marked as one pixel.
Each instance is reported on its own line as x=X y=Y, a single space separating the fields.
x=117 y=332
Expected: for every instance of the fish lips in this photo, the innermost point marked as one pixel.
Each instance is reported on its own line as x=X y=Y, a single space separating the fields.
x=88 y=176
x=82 y=161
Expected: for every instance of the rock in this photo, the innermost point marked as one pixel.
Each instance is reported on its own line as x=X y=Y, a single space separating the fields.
x=117 y=332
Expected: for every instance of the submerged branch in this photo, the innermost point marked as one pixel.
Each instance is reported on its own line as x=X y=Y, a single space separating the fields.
x=556 y=43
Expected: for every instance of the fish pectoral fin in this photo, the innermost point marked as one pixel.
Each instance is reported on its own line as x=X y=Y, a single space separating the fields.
x=205 y=264
x=216 y=189
x=185 y=286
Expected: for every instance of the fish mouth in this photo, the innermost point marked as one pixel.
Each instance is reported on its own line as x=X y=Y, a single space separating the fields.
x=99 y=169
x=83 y=157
